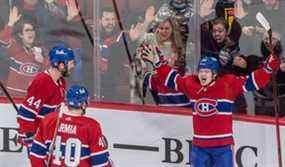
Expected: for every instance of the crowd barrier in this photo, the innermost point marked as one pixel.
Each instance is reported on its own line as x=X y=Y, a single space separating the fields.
x=149 y=136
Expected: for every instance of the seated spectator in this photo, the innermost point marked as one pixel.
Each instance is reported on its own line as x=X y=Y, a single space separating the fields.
x=18 y=38
x=167 y=41
x=264 y=104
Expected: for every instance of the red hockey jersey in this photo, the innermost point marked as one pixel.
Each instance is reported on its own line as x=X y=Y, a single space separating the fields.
x=44 y=96
x=22 y=64
x=79 y=142
x=213 y=105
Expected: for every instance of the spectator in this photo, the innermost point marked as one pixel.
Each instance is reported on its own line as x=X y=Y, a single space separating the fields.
x=129 y=8
x=167 y=38
x=252 y=32
x=115 y=62
x=3 y=58
x=226 y=10
x=58 y=23
x=215 y=41
x=121 y=4
x=26 y=57
x=67 y=28
x=223 y=9
x=4 y=64
x=109 y=30
x=43 y=12
x=168 y=41
x=181 y=11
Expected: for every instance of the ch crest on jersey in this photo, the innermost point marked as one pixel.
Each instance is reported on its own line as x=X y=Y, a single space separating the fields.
x=206 y=107
x=29 y=69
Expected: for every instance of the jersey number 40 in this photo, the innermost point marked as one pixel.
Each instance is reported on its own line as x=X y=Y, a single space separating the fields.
x=72 y=152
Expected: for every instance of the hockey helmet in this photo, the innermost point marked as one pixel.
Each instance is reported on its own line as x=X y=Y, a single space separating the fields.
x=60 y=54
x=209 y=63
x=77 y=96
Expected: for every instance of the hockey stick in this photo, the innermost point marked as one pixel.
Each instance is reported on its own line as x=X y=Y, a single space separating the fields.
x=52 y=144
x=266 y=25
x=131 y=62
x=9 y=96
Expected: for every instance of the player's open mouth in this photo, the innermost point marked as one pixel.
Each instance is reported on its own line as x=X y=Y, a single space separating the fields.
x=203 y=80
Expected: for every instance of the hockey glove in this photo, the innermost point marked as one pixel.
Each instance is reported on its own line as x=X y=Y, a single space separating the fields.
x=27 y=139
x=272 y=64
x=150 y=54
x=225 y=57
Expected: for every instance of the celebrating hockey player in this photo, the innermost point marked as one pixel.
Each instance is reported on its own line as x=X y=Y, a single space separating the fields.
x=74 y=139
x=212 y=99
x=45 y=93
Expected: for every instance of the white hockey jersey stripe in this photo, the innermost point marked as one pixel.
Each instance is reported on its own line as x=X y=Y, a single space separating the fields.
x=213 y=136
x=218 y=113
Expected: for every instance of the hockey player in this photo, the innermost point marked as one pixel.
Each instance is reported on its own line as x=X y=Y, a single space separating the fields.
x=45 y=93
x=212 y=98
x=78 y=140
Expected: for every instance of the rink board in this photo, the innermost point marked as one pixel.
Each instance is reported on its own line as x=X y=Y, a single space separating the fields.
x=151 y=137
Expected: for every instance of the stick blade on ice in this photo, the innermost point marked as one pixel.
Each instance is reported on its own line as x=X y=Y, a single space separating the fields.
x=263 y=21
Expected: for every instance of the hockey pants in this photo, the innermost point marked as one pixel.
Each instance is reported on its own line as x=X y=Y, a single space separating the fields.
x=212 y=156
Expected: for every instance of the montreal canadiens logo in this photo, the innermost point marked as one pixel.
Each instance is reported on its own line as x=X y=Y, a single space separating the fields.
x=206 y=107
x=29 y=69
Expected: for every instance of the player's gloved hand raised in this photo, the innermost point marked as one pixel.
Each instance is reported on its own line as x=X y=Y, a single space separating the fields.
x=225 y=57
x=151 y=54
x=272 y=63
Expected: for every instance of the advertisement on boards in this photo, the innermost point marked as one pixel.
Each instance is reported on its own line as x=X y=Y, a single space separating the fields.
x=152 y=139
